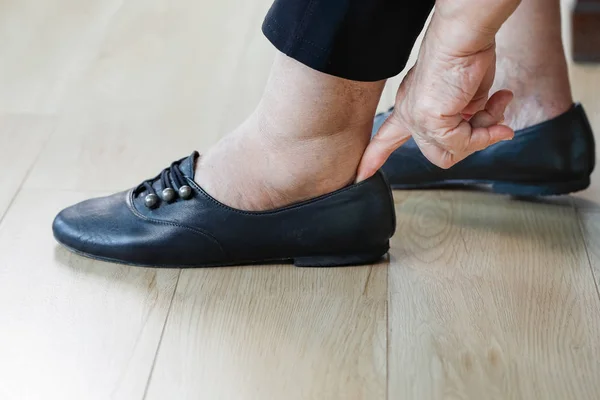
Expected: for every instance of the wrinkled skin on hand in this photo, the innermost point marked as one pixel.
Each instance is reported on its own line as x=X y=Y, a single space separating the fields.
x=444 y=102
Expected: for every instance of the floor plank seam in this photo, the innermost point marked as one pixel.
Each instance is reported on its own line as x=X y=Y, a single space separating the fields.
x=68 y=190
x=27 y=173
x=162 y=333
x=367 y=281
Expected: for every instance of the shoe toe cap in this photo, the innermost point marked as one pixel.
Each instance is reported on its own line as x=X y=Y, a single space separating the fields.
x=92 y=225
x=107 y=229
x=65 y=229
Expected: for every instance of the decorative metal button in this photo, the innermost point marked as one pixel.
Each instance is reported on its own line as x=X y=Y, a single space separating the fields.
x=168 y=195
x=185 y=192
x=151 y=200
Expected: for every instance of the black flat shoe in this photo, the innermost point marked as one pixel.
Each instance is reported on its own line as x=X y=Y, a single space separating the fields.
x=169 y=221
x=551 y=158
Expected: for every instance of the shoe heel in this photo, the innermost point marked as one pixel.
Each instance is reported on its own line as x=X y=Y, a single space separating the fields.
x=369 y=257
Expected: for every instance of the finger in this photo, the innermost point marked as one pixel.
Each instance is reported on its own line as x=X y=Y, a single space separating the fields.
x=459 y=140
x=466 y=140
x=455 y=140
x=482 y=138
x=499 y=133
x=440 y=157
x=481 y=96
x=392 y=134
x=485 y=124
x=494 y=110
x=477 y=104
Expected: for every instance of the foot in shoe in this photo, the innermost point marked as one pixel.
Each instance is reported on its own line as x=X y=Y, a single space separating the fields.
x=170 y=221
x=553 y=148
x=278 y=188
x=551 y=158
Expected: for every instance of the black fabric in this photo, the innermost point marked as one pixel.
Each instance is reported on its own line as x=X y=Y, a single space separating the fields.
x=554 y=157
x=350 y=226
x=362 y=40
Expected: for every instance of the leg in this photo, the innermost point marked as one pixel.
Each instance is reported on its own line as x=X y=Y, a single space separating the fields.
x=308 y=133
x=305 y=139
x=531 y=63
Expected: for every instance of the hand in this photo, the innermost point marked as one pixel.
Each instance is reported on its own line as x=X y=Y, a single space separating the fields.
x=443 y=101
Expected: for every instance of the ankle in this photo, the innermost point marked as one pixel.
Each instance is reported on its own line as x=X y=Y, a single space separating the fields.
x=305 y=139
x=526 y=111
x=257 y=168
x=542 y=91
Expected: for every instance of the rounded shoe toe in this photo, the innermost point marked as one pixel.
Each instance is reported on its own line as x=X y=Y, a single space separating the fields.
x=65 y=229
x=109 y=229
x=93 y=226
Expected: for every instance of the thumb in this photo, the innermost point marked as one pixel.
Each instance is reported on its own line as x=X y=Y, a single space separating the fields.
x=392 y=134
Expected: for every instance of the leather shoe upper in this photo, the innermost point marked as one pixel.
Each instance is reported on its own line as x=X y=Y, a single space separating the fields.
x=201 y=231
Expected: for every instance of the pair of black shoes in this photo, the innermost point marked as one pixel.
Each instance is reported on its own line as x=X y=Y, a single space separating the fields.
x=169 y=221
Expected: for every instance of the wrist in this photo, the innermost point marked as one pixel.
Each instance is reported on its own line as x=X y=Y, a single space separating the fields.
x=470 y=25
x=488 y=14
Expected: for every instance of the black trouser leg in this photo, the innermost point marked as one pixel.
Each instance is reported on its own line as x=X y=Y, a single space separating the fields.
x=362 y=40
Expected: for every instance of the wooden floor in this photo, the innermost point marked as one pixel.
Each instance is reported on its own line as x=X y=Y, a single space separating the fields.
x=483 y=296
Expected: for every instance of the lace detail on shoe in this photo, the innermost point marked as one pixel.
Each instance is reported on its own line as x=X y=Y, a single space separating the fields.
x=172 y=183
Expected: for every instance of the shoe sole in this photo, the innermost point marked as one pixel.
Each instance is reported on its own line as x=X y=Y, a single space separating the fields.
x=508 y=188
x=370 y=257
